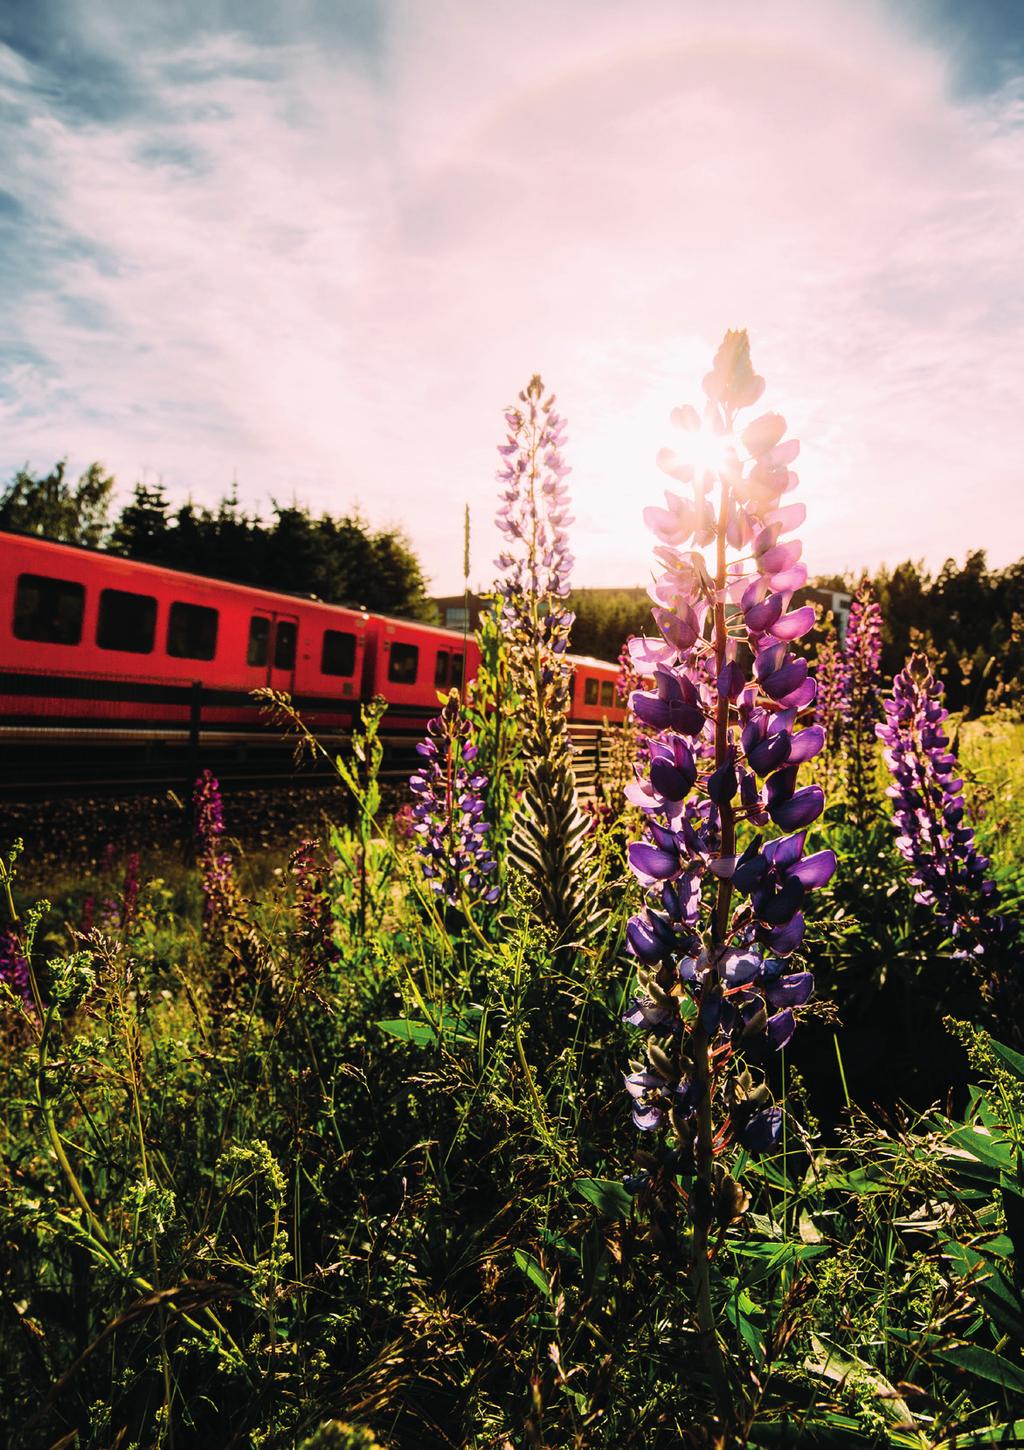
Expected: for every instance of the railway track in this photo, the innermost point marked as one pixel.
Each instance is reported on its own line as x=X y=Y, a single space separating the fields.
x=52 y=764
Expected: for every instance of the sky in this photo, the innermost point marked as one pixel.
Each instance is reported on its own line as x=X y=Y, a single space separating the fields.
x=318 y=247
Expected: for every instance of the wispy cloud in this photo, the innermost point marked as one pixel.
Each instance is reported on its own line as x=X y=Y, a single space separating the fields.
x=323 y=256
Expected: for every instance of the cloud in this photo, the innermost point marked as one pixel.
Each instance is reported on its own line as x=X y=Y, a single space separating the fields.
x=325 y=256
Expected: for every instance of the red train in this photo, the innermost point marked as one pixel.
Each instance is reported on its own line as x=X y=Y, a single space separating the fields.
x=99 y=649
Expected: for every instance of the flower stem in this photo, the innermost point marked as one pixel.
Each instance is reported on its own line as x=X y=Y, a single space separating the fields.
x=702 y=1205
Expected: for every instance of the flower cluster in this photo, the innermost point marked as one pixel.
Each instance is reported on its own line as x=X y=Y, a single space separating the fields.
x=721 y=923
x=14 y=968
x=862 y=655
x=130 y=890
x=220 y=890
x=948 y=873
x=313 y=913
x=860 y=703
x=450 y=830
x=828 y=704
x=548 y=840
x=534 y=517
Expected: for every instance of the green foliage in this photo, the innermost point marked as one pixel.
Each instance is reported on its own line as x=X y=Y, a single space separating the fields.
x=367 y=1192
x=967 y=616
x=494 y=707
x=54 y=507
x=358 y=1171
x=342 y=560
x=605 y=619
x=551 y=842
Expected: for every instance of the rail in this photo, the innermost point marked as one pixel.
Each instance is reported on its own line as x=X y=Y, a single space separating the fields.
x=50 y=760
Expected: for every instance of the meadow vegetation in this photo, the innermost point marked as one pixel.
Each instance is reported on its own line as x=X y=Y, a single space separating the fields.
x=340 y=1156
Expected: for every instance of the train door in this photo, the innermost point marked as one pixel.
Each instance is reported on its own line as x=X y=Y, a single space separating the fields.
x=272 y=647
x=281 y=672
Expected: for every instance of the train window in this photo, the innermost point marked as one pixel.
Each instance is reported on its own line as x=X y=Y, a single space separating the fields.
x=590 y=691
x=456 y=672
x=127 y=621
x=339 y=653
x=192 y=632
x=403 y=664
x=259 y=640
x=48 y=610
x=441 y=669
x=284 y=645
x=607 y=692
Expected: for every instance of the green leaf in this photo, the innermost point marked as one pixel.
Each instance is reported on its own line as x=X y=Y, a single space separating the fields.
x=533 y=1272
x=738 y=1310
x=985 y=1365
x=997 y=1152
x=605 y=1194
x=1011 y=1058
x=1011 y=1433
x=419 y=1033
x=860 y=1180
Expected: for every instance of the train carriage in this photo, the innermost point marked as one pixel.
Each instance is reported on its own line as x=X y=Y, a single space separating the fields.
x=410 y=664
x=595 y=697
x=99 y=652
x=92 y=643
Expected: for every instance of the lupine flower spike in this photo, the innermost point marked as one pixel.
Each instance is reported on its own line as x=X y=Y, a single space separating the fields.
x=828 y=704
x=718 y=991
x=860 y=698
x=14 y=969
x=450 y=830
x=548 y=841
x=933 y=835
x=220 y=891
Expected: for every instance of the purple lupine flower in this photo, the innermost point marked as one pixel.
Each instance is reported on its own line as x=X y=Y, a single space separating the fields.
x=721 y=923
x=220 y=891
x=130 y=890
x=861 y=701
x=110 y=908
x=207 y=808
x=828 y=703
x=862 y=655
x=548 y=837
x=14 y=968
x=450 y=830
x=312 y=906
x=947 y=871
x=534 y=515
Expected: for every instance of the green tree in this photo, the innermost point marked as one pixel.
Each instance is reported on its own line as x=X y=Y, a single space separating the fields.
x=340 y=560
x=605 y=619
x=142 y=528
x=55 y=508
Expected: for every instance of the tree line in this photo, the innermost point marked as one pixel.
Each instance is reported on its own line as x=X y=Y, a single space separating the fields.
x=968 y=617
x=339 y=558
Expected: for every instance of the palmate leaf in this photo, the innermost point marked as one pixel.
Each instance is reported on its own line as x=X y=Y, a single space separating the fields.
x=421 y=1034
x=990 y=1288
x=450 y=1026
